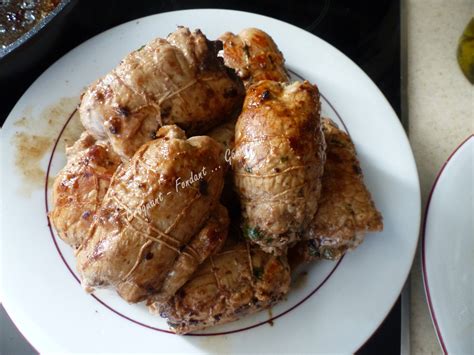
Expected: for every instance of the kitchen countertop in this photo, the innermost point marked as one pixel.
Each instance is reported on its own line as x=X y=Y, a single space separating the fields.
x=441 y=116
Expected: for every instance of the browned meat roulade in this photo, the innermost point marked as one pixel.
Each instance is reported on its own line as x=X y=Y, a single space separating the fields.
x=155 y=205
x=278 y=162
x=80 y=187
x=254 y=56
x=346 y=210
x=178 y=80
x=239 y=280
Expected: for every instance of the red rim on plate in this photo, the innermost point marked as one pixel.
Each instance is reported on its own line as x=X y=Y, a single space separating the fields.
x=54 y=239
x=423 y=244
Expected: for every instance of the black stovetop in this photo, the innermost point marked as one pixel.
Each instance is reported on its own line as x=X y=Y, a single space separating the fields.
x=366 y=31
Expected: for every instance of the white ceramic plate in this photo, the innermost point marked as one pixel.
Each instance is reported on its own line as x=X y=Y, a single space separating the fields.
x=448 y=251
x=335 y=308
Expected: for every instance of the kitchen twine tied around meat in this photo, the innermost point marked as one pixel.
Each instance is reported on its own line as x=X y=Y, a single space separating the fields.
x=141 y=214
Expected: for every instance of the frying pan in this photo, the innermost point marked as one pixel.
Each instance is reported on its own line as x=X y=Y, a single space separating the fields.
x=33 y=45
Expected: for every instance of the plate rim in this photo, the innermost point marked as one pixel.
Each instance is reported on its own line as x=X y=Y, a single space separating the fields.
x=424 y=238
x=403 y=136
x=55 y=239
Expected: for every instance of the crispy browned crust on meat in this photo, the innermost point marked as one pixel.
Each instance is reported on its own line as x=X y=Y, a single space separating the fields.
x=178 y=80
x=278 y=162
x=239 y=280
x=149 y=215
x=254 y=56
x=346 y=210
x=80 y=187
x=207 y=242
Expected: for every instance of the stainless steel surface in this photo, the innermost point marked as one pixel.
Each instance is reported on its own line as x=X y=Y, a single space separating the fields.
x=405 y=317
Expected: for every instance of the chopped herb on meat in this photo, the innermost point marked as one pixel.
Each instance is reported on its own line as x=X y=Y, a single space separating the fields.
x=253 y=233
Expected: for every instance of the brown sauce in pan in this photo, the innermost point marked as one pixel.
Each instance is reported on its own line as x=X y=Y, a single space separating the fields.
x=19 y=16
